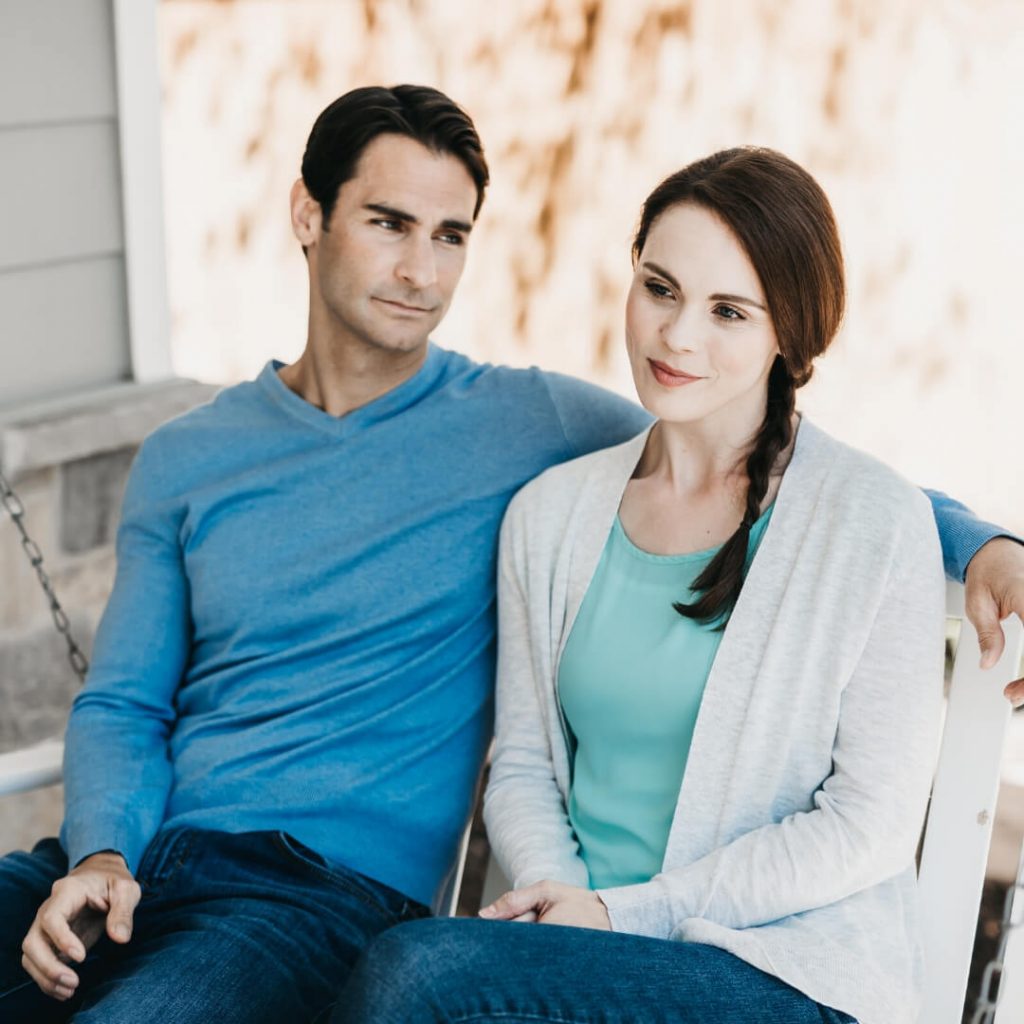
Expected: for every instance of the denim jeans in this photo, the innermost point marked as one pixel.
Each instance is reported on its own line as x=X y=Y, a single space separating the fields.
x=458 y=970
x=245 y=928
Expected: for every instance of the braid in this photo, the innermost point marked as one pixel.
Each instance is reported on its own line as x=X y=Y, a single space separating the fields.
x=720 y=583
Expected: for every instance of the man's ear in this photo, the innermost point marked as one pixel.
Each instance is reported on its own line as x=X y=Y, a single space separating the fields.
x=306 y=215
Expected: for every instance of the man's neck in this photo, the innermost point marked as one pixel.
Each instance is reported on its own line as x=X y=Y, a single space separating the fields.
x=340 y=380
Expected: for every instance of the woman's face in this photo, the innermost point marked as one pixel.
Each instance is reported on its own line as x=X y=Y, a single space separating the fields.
x=700 y=340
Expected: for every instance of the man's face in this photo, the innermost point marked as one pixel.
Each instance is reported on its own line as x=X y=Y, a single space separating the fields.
x=384 y=269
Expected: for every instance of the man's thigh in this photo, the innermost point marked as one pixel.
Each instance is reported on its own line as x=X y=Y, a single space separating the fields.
x=245 y=928
x=25 y=882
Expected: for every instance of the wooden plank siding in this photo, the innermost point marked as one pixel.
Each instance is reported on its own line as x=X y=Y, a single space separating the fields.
x=57 y=324
x=56 y=61
x=59 y=194
x=63 y=307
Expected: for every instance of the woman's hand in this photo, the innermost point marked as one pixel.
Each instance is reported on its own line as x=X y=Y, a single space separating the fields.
x=551 y=903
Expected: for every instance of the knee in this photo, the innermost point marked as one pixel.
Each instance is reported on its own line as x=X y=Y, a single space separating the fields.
x=411 y=972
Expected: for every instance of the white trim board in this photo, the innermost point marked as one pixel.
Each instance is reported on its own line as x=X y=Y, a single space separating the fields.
x=139 y=120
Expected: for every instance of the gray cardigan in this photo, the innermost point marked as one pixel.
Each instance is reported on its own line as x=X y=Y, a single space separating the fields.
x=793 y=840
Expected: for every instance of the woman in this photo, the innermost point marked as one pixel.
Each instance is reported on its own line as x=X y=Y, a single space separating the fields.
x=719 y=672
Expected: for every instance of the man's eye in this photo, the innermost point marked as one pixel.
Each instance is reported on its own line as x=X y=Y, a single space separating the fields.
x=727 y=313
x=658 y=290
x=387 y=223
x=452 y=238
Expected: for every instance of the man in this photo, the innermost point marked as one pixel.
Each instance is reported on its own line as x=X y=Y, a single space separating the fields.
x=275 y=752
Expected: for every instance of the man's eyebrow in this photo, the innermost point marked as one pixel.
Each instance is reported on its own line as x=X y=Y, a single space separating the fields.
x=717 y=297
x=407 y=218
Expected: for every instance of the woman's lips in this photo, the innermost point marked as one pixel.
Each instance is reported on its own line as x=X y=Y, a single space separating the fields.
x=670 y=378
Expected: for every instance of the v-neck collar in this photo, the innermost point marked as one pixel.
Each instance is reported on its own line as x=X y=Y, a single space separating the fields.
x=391 y=403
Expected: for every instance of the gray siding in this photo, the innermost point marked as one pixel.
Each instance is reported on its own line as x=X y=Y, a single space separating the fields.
x=56 y=61
x=63 y=316
x=58 y=323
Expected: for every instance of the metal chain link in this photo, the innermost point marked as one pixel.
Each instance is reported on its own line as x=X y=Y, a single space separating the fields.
x=16 y=510
x=992 y=979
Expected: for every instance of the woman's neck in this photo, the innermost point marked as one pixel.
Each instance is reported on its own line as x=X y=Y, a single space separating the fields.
x=702 y=455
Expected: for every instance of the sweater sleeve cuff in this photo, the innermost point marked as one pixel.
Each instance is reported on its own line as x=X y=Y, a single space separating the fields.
x=639 y=909
x=81 y=840
x=962 y=534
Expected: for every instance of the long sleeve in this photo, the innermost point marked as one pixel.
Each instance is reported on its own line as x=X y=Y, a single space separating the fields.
x=867 y=815
x=116 y=766
x=961 y=532
x=523 y=807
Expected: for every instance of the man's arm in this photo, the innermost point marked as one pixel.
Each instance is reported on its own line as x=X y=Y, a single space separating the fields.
x=117 y=772
x=990 y=561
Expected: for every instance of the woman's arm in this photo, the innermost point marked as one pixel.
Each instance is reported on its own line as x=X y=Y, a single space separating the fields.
x=524 y=811
x=867 y=814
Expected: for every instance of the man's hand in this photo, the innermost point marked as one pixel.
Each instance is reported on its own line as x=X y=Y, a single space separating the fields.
x=99 y=894
x=995 y=590
x=551 y=903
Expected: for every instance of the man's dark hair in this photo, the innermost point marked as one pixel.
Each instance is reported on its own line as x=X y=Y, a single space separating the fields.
x=345 y=128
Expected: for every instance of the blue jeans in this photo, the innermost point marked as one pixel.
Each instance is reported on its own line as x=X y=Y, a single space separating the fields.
x=457 y=970
x=246 y=928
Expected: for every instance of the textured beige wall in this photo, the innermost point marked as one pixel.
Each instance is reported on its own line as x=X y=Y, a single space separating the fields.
x=909 y=113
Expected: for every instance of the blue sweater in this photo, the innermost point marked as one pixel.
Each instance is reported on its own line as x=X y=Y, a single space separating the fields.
x=301 y=632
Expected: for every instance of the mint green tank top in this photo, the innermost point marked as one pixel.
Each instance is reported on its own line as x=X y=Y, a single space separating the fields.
x=630 y=684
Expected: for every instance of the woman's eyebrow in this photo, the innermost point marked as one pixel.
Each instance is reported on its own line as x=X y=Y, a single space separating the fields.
x=738 y=299
x=741 y=300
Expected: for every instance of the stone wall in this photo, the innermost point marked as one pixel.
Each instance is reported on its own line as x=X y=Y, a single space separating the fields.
x=68 y=462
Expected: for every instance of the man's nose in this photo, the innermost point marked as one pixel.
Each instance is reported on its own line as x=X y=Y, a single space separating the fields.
x=418 y=267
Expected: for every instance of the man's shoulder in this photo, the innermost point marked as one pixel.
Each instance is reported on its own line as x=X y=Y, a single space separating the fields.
x=178 y=449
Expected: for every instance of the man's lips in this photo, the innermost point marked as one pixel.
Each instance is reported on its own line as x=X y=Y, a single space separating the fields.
x=403 y=307
x=670 y=378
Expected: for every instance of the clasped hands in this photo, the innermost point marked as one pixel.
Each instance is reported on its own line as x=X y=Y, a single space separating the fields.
x=551 y=903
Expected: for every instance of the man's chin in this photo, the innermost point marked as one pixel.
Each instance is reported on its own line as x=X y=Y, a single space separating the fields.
x=401 y=345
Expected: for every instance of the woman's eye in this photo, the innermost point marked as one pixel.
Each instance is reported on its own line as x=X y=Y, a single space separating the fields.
x=658 y=290
x=727 y=313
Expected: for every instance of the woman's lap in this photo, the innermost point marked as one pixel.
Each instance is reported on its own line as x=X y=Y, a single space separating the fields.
x=472 y=970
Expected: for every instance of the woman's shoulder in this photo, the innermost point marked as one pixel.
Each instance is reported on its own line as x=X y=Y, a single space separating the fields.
x=857 y=481
x=572 y=491
x=564 y=482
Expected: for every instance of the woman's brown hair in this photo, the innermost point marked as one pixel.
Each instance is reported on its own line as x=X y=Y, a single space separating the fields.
x=785 y=224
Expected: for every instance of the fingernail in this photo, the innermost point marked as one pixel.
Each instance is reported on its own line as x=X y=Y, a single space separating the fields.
x=121 y=932
x=487 y=911
x=67 y=981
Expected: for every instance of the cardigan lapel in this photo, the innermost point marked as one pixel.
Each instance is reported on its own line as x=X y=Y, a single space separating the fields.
x=594 y=511
x=735 y=673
